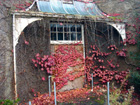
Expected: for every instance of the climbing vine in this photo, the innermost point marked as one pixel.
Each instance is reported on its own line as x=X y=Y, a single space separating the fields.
x=66 y=64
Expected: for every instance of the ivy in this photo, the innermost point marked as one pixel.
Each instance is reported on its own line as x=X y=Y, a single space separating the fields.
x=65 y=57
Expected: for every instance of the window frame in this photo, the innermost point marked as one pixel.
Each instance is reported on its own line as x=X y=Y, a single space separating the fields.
x=67 y=41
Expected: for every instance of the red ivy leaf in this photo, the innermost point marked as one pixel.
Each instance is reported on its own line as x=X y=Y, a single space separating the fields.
x=26 y=42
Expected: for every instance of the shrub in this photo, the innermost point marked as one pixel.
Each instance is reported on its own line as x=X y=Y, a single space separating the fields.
x=135 y=80
x=9 y=102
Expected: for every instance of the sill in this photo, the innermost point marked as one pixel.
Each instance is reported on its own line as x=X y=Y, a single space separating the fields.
x=66 y=42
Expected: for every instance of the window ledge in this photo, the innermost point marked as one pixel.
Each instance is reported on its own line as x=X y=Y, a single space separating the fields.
x=66 y=42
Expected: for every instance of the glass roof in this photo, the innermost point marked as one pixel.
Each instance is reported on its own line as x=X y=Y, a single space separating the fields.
x=75 y=8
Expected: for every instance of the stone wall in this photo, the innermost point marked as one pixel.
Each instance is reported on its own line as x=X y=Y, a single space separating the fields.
x=129 y=10
x=6 y=62
x=6 y=49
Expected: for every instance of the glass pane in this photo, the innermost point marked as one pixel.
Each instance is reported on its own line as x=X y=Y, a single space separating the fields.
x=60 y=36
x=53 y=36
x=53 y=27
x=59 y=28
x=66 y=28
x=67 y=36
x=73 y=36
x=78 y=28
x=79 y=36
x=72 y=28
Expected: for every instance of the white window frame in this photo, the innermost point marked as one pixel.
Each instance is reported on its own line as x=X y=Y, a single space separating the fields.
x=67 y=41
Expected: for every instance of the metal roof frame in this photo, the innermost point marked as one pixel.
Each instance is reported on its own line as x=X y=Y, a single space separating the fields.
x=74 y=8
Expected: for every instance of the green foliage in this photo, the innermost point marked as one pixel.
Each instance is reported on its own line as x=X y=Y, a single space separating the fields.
x=114 y=97
x=101 y=100
x=135 y=81
x=9 y=102
x=117 y=98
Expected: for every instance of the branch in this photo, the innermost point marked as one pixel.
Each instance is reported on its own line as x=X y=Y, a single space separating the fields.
x=130 y=63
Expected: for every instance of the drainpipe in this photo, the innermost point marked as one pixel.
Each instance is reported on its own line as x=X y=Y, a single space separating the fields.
x=14 y=56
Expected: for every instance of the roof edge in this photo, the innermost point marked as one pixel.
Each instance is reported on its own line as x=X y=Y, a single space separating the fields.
x=67 y=16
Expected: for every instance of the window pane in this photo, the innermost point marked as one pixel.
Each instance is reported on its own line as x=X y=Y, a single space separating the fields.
x=66 y=28
x=72 y=28
x=67 y=36
x=78 y=28
x=53 y=36
x=59 y=28
x=73 y=36
x=53 y=27
x=79 y=36
x=60 y=36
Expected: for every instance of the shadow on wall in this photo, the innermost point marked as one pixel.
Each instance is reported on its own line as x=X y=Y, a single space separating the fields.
x=34 y=39
x=102 y=35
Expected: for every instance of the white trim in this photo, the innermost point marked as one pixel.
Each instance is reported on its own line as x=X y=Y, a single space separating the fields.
x=18 y=25
x=14 y=56
x=52 y=7
x=83 y=42
x=97 y=10
x=64 y=8
x=76 y=8
x=120 y=27
x=30 y=6
x=66 y=42
x=38 y=5
x=88 y=10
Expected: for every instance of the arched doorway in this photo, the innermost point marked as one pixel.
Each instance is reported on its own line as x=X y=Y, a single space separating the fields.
x=33 y=39
x=102 y=35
